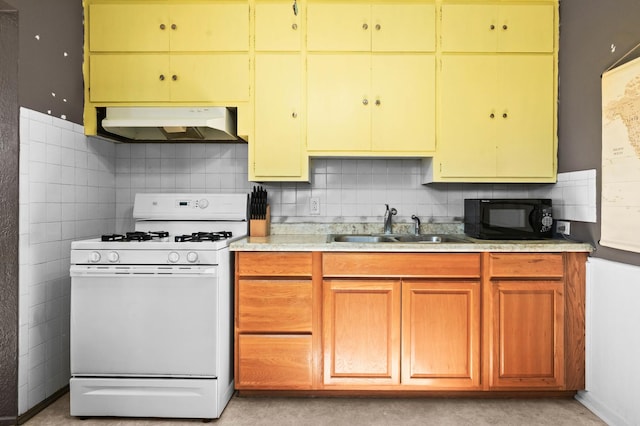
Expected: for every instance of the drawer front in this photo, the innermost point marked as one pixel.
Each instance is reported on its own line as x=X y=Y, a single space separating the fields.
x=274 y=264
x=462 y=265
x=274 y=362
x=274 y=306
x=526 y=265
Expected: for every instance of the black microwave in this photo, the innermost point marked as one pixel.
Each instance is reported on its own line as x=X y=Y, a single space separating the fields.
x=508 y=218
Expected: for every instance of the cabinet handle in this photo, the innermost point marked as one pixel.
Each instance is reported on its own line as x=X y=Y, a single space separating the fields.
x=294 y=114
x=492 y=115
x=365 y=101
x=378 y=27
x=504 y=115
x=162 y=26
x=492 y=27
x=378 y=102
x=294 y=26
x=365 y=26
x=161 y=77
x=174 y=77
x=504 y=27
x=174 y=26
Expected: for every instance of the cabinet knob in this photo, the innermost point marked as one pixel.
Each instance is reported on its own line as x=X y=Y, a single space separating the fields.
x=161 y=77
x=492 y=115
x=492 y=27
x=378 y=102
x=294 y=114
x=378 y=27
x=294 y=26
x=162 y=26
x=365 y=26
x=365 y=101
x=174 y=77
x=174 y=26
x=504 y=115
x=504 y=27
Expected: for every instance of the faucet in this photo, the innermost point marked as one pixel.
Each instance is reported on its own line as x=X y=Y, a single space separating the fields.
x=388 y=214
x=416 y=225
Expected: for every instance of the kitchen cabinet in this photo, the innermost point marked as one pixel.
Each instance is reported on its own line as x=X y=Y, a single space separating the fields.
x=278 y=149
x=274 y=321
x=505 y=127
x=365 y=64
x=526 y=321
x=163 y=53
x=421 y=327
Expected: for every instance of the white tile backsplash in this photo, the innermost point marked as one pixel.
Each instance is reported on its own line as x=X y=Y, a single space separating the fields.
x=573 y=196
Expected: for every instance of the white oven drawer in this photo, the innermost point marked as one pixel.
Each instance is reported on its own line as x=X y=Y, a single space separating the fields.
x=144 y=324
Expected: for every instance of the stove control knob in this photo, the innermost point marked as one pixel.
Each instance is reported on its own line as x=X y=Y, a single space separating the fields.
x=192 y=257
x=94 y=257
x=113 y=257
x=203 y=203
x=174 y=257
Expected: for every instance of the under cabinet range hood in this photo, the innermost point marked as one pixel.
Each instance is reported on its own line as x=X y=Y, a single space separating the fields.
x=172 y=123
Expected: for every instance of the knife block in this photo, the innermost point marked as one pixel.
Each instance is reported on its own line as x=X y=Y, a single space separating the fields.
x=261 y=227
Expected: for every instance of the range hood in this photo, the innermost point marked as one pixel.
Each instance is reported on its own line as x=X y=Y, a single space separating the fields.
x=172 y=123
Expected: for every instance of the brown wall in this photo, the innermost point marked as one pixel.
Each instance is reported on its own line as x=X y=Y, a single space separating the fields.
x=51 y=37
x=588 y=28
x=9 y=161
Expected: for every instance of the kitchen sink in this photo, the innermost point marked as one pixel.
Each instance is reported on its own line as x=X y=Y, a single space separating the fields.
x=398 y=238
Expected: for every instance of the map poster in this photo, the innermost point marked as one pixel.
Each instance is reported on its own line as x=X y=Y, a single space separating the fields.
x=620 y=219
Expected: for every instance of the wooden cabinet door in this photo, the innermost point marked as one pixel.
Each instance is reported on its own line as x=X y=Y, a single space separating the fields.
x=120 y=27
x=403 y=103
x=441 y=333
x=210 y=78
x=339 y=102
x=525 y=114
x=334 y=26
x=219 y=26
x=361 y=331
x=493 y=28
x=402 y=27
x=279 y=141
x=128 y=78
x=527 y=334
x=277 y=27
x=468 y=116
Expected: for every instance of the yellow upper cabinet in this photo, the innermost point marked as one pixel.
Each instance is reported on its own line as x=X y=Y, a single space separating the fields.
x=149 y=27
x=497 y=28
x=363 y=27
x=278 y=26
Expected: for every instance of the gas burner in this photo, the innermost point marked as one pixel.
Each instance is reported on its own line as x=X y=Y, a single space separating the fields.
x=204 y=236
x=136 y=236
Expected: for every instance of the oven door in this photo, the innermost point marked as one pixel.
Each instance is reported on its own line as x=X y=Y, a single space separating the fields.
x=143 y=321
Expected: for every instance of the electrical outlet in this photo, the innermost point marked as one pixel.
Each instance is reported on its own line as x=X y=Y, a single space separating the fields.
x=314 y=206
x=563 y=227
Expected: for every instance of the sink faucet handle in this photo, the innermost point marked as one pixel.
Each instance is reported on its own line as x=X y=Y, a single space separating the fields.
x=416 y=228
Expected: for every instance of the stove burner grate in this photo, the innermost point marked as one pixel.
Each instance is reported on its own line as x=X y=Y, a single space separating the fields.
x=203 y=236
x=136 y=236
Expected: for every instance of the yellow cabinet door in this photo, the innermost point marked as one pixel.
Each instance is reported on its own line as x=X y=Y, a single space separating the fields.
x=339 y=102
x=441 y=333
x=492 y=28
x=403 y=97
x=118 y=27
x=278 y=146
x=401 y=27
x=277 y=26
x=467 y=124
x=526 y=140
x=338 y=26
x=210 y=77
x=221 y=26
x=128 y=78
x=361 y=331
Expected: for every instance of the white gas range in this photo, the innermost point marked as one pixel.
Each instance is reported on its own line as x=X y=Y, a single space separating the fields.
x=151 y=310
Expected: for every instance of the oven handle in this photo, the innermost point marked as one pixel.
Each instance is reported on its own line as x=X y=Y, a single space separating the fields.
x=142 y=270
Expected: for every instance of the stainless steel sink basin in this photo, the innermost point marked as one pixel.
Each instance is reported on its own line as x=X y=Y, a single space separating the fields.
x=395 y=238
